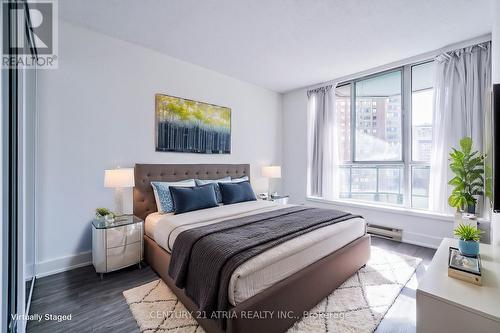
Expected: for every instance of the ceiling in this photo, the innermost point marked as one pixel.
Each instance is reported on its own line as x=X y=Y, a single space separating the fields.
x=285 y=44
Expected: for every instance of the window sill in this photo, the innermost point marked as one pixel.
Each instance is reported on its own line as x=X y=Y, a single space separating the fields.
x=388 y=209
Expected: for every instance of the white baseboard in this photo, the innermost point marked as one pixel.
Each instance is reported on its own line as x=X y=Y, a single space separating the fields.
x=421 y=239
x=58 y=265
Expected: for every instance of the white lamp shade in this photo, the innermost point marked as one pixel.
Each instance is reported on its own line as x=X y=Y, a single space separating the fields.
x=119 y=178
x=272 y=171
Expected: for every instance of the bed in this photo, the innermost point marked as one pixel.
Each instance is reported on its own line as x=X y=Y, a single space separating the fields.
x=285 y=280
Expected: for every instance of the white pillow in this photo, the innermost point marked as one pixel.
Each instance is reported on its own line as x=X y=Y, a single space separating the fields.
x=200 y=182
x=163 y=198
x=239 y=180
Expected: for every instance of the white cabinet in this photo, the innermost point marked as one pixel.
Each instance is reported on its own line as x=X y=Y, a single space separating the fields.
x=117 y=244
x=445 y=304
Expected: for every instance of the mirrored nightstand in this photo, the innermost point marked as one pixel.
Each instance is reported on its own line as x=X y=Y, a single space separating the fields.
x=117 y=244
x=279 y=199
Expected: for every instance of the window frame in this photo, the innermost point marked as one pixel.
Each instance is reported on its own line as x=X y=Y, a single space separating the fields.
x=407 y=163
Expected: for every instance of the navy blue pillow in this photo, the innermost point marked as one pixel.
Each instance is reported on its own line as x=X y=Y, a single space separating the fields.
x=216 y=188
x=187 y=199
x=236 y=192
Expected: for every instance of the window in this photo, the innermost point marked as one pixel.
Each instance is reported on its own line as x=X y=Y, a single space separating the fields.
x=376 y=162
x=422 y=96
x=383 y=183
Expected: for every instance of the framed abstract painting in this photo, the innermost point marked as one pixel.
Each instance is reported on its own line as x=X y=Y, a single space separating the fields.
x=187 y=126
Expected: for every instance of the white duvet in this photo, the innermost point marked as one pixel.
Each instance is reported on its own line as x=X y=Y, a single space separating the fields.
x=269 y=267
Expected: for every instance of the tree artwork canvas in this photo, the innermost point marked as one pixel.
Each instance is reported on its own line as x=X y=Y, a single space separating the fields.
x=187 y=126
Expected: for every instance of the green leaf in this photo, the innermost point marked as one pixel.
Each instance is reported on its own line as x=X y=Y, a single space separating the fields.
x=479 y=170
x=478 y=181
x=458 y=171
x=475 y=163
x=466 y=145
x=467 y=232
x=457 y=155
x=457 y=200
x=456 y=181
x=452 y=201
x=457 y=164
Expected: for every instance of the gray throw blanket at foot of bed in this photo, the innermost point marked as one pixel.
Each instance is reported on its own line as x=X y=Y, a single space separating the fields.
x=204 y=258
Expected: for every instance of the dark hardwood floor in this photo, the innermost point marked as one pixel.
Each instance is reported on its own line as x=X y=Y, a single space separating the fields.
x=99 y=306
x=95 y=305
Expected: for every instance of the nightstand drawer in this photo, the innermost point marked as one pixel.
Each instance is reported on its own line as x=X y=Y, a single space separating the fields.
x=123 y=256
x=121 y=236
x=281 y=201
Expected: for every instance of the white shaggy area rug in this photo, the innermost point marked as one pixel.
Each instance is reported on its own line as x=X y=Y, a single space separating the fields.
x=358 y=305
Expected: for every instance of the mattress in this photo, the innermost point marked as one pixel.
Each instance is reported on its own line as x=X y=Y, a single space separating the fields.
x=269 y=267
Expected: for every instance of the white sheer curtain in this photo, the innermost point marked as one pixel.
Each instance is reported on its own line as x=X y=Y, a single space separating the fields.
x=462 y=85
x=321 y=147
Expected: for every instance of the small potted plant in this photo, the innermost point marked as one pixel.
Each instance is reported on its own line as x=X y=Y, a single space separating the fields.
x=468 y=243
x=104 y=213
x=468 y=167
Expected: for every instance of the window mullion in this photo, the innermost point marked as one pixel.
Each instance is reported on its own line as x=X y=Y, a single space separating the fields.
x=353 y=120
x=406 y=118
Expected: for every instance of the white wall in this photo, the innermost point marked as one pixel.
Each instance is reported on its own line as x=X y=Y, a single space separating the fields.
x=422 y=229
x=97 y=111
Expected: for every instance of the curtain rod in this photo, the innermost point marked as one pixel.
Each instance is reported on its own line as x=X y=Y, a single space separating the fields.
x=418 y=58
x=450 y=54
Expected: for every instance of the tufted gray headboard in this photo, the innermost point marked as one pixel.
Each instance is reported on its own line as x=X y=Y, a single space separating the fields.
x=144 y=174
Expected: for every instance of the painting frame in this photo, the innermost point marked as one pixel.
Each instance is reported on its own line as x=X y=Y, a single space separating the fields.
x=198 y=127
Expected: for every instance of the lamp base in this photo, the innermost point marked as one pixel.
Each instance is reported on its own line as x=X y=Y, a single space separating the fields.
x=118 y=201
x=270 y=191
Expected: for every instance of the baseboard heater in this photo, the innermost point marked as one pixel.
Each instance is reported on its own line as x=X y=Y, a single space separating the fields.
x=385 y=232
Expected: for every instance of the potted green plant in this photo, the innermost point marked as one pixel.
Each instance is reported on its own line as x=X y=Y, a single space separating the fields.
x=468 y=167
x=468 y=243
x=104 y=213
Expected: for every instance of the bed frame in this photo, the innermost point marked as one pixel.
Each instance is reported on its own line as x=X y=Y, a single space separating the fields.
x=288 y=299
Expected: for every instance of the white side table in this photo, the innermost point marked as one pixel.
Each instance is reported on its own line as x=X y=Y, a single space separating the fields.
x=445 y=304
x=117 y=244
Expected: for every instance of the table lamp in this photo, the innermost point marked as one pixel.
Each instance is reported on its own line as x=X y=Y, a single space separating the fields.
x=271 y=172
x=119 y=179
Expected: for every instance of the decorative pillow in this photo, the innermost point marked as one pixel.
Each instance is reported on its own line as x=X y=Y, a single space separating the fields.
x=236 y=192
x=239 y=180
x=163 y=198
x=215 y=184
x=187 y=199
